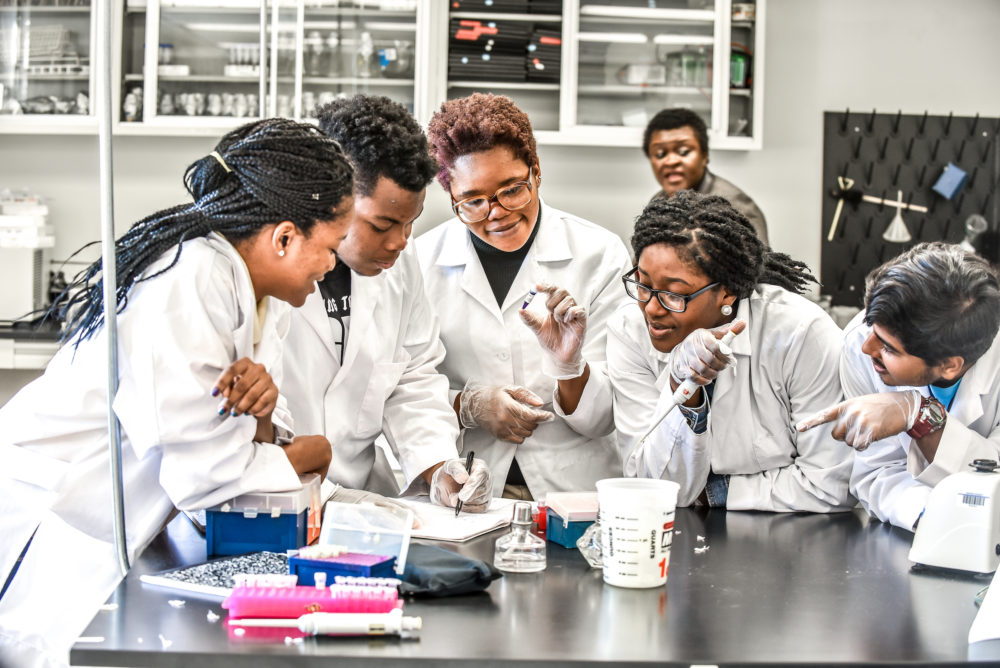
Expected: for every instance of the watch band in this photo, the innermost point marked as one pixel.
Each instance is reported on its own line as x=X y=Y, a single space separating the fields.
x=931 y=417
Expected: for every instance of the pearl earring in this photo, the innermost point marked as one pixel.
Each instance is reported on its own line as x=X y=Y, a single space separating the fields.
x=281 y=253
x=727 y=309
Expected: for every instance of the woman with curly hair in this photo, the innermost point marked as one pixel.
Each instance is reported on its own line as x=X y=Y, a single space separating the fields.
x=361 y=353
x=700 y=272
x=202 y=292
x=521 y=392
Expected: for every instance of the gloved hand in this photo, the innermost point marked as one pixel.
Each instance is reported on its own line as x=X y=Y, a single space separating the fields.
x=863 y=420
x=452 y=482
x=508 y=412
x=701 y=355
x=344 y=495
x=561 y=333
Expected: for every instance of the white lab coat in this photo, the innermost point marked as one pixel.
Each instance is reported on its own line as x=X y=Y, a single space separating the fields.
x=177 y=334
x=492 y=345
x=786 y=370
x=892 y=479
x=388 y=383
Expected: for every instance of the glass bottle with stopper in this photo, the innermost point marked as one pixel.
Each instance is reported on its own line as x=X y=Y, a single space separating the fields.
x=520 y=551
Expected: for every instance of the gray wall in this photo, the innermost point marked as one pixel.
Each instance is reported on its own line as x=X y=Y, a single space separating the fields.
x=913 y=55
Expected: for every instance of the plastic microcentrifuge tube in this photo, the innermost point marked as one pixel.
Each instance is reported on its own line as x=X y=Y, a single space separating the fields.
x=527 y=300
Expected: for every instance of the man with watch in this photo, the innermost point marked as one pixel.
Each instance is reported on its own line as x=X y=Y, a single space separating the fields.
x=920 y=369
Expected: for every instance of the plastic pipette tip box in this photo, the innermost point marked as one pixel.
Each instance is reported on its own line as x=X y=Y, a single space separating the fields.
x=262 y=522
x=569 y=515
x=351 y=563
x=293 y=602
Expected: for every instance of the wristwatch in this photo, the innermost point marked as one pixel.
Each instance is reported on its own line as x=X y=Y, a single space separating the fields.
x=930 y=418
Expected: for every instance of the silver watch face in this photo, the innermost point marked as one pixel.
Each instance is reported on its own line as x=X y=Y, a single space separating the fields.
x=934 y=413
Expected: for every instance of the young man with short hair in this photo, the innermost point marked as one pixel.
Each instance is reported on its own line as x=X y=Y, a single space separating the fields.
x=920 y=368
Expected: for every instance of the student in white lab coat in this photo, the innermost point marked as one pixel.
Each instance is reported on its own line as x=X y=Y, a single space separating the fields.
x=199 y=316
x=512 y=390
x=361 y=352
x=921 y=373
x=700 y=272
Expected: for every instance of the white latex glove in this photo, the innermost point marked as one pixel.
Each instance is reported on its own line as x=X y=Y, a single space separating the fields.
x=701 y=355
x=861 y=421
x=452 y=482
x=560 y=333
x=344 y=495
x=509 y=412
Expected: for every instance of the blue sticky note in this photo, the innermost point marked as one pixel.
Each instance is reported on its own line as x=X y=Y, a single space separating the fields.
x=951 y=181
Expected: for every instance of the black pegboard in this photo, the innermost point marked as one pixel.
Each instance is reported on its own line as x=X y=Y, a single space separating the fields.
x=886 y=153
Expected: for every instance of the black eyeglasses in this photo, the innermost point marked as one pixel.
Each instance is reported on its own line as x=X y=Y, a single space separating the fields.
x=512 y=197
x=668 y=300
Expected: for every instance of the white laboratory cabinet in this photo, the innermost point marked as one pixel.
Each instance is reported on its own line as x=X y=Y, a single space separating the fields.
x=588 y=72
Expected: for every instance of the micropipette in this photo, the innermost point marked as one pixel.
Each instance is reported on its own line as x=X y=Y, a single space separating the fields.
x=342 y=623
x=681 y=394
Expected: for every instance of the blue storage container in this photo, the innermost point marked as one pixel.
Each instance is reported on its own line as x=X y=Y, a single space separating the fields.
x=568 y=516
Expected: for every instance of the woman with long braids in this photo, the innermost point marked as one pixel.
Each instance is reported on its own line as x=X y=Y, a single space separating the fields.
x=201 y=292
x=700 y=272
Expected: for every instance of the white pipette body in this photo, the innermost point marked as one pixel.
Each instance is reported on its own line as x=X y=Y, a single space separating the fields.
x=342 y=623
x=681 y=394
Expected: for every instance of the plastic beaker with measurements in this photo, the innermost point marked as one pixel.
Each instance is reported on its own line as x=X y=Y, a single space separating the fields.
x=637 y=524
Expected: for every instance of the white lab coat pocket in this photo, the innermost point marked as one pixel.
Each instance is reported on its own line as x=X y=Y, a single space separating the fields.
x=381 y=384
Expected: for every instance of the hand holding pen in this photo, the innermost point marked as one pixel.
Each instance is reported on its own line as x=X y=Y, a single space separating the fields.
x=468 y=469
x=467 y=482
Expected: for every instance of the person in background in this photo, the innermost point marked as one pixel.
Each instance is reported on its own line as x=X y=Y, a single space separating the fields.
x=513 y=385
x=700 y=272
x=921 y=377
x=361 y=352
x=676 y=144
x=201 y=300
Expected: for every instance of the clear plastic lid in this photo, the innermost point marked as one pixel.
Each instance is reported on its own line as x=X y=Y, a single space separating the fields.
x=276 y=503
x=368 y=529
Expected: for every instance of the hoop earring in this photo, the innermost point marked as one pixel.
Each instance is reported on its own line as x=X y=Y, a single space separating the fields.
x=727 y=310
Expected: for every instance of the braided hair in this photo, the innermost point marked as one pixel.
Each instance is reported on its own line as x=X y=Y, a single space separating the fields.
x=709 y=233
x=382 y=139
x=259 y=174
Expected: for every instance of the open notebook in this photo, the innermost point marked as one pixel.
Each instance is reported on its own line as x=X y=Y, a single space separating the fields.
x=440 y=523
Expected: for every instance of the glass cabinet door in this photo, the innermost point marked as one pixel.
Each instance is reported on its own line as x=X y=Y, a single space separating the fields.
x=207 y=60
x=635 y=58
x=508 y=47
x=358 y=46
x=45 y=58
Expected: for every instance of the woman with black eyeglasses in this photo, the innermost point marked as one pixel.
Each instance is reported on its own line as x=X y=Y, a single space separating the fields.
x=517 y=375
x=700 y=272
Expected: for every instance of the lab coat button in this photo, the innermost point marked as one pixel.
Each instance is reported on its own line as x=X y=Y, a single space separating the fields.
x=504 y=356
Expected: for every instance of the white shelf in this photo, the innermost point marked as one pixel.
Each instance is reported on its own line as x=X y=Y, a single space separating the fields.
x=356 y=81
x=26 y=353
x=741 y=92
x=500 y=16
x=506 y=85
x=54 y=77
x=588 y=12
x=44 y=10
x=639 y=89
x=47 y=124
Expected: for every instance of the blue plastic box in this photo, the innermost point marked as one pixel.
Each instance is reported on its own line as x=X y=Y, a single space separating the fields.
x=568 y=516
x=357 y=565
x=262 y=522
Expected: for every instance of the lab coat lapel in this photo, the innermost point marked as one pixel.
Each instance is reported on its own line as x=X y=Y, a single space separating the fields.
x=314 y=313
x=551 y=245
x=741 y=348
x=458 y=251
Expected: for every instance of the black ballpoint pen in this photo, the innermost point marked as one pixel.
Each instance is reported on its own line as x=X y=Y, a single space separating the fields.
x=468 y=469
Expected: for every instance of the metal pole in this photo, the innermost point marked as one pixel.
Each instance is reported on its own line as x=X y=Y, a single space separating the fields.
x=108 y=268
x=262 y=59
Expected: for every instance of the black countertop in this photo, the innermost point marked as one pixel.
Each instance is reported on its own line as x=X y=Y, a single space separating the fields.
x=770 y=589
